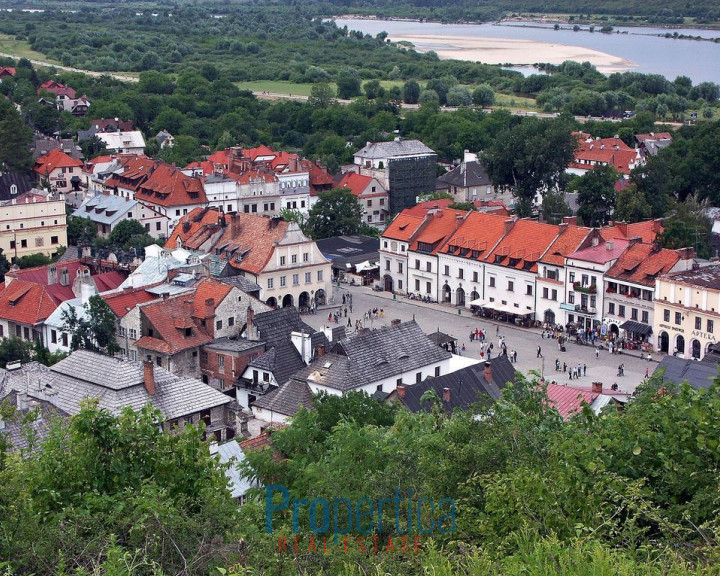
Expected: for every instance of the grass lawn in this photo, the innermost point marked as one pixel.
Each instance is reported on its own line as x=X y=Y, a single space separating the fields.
x=277 y=87
x=21 y=49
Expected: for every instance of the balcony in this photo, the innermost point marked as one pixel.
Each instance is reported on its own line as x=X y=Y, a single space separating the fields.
x=592 y=289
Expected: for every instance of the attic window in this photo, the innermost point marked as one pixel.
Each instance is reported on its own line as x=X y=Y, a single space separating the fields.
x=188 y=331
x=514 y=261
x=499 y=258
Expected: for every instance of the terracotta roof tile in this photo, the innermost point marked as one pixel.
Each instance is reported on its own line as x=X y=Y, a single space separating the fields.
x=55 y=159
x=611 y=151
x=249 y=240
x=524 y=245
x=354 y=182
x=602 y=253
x=195 y=228
x=568 y=400
x=209 y=288
x=25 y=302
x=403 y=227
x=423 y=207
x=122 y=302
x=566 y=243
x=168 y=186
x=647 y=230
x=642 y=263
x=479 y=233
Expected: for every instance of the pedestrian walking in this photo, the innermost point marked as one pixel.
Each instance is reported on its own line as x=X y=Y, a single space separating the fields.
x=497 y=330
x=584 y=369
x=597 y=352
x=539 y=352
x=647 y=373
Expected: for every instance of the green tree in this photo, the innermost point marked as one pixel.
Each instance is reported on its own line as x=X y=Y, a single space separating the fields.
x=459 y=96
x=81 y=231
x=4 y=265
x=631 y=205
x=15 y=142
x=185 y=150
x=348 y=84
x=44 y=356
x=321 y=95
x=32 y=260
x=129 y=234
x=688 y=226
x=14 y=348
x=530 y=158
x=336 y=213
x=92 y=147
x=373 y=89
x=554 y=207
x=411 y=92
x=93 y=329
x=596 y=195
x=483 y=96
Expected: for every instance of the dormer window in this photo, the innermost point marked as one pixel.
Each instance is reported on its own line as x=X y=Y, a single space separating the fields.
x=13 y=189
x=188 y=331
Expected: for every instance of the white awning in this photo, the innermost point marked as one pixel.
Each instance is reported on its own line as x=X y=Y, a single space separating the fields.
x=481 y=303
x=366 y=265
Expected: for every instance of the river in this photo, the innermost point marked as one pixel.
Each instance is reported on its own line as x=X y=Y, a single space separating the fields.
x=632 y=48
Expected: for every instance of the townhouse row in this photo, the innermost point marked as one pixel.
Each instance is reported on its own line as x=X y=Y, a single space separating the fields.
x=600 y=280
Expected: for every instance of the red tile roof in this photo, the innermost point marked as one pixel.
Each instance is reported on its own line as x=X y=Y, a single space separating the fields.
x=257 y=152
x=642 y=263
x=7 y=71
x=56 y=88
x=479 y=233
x=219 y=157
x=602 y=253
x=122 y=302
x=567 y=243
x=354 y=182
x=403 y=226
x=423 y=207
x=524 y=245
x=254 y=176
x=55 y=159
x=568 y=400
x=205 y=167
x=282 y=160
x=439 y=227
x=25 y=302
x=320 y=178
x=252 y=238
x=641 y=138
x=195 y=228
x=647 y=230
x=168 y=186
x=611 y=151
x=108 y=280
x=136 y=171
x=209 y=288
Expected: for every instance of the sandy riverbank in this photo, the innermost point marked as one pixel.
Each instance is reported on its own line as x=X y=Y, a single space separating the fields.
x=512 y=51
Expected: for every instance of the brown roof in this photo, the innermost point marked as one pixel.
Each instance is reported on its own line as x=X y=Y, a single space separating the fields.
x=168 y=186
x=647 y=231
x=55 y=159
x=479 y=234
x=568 y=241
x=524 y=245
x=209 y=288
x=25 y=302
x=403 y=227
x=642 y=263
x=195 y=228
x=122 y=302
x=249 y=240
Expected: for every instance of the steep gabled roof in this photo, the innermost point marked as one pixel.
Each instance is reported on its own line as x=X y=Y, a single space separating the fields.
x=524 y=245
x=568 y=400
x=569 y=240
x=25 y=302
x=479 y=234
x=642 y=263
x=122 y=302
x=195 y=228
x=168 y=186
x=249 y=240
x=55 y=159
x=647 y=230
x=357 y=183
x=403 y=227
x=611 y=151
x=398 y=148
x=466 y=175
x=439 y=227
x=287 y=399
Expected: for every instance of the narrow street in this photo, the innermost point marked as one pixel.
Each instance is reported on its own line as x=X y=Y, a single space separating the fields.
x=432 y=317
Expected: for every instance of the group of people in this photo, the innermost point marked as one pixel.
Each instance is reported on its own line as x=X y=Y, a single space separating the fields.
x=573 y=372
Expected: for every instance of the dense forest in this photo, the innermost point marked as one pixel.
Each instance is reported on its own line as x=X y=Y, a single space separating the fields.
x=629 y=493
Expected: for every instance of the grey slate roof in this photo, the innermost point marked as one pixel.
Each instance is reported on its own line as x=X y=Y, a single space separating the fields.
x=439 y=338
x=19 y=179
x=283 y=360
x=104 y=209
x=244 y=284
x=341 y=250
x=397 y=148
x=231 y=453
x=465 y=175
x=117 y=383
x=467 y=386
x=14 y=429
x=362 y=359
x=275 y=326
x=698 y=374
x=287 y=399
x=233 y=344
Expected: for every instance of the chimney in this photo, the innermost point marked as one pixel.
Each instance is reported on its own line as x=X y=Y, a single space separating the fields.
x=165 y=295
x=609 y=245
x=570 y=220
x=400 y=391
x=446 y=395
x=597 y=387
x=635 y=240
x=149 y=377
x=320 y=352
x=250 y=317
x=52 y=275
x=487 y=372
x=623 y=227
x=562 y=228
x=209 y=307
x=657 y=226
x=509 y=223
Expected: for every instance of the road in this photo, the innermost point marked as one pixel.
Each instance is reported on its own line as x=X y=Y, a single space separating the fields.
x=281 y=96
x=525 y=341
